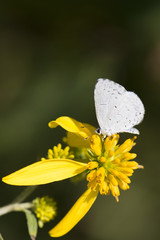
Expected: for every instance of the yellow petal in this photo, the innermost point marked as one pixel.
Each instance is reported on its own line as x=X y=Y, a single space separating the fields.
x=76 y=213
x=74 y=140
x=126 y=146
x=110 y=142
x=45 y=171
x=96 y=144
x=71 y=125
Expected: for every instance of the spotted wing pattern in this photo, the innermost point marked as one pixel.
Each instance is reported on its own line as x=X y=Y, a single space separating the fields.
x=117 y=110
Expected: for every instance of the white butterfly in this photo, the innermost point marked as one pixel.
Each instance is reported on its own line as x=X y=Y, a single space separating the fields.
x=117 y=109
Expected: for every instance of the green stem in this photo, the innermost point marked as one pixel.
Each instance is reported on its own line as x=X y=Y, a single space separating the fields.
x=15 y=207
x=24 y=194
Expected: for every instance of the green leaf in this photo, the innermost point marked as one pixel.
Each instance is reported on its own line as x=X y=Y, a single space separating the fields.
x=32 y=224
x=1 y=237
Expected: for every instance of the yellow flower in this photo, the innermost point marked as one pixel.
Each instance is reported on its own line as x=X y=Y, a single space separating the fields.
x=45 y=209
x=58 y=153
x=108 y=168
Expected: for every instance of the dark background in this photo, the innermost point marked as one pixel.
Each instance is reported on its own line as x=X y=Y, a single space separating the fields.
x=51 y=54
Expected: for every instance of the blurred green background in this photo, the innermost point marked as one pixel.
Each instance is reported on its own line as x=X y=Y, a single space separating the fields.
x=51 y=54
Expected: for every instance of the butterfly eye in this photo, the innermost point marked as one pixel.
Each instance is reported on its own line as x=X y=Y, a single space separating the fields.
x=98 y=131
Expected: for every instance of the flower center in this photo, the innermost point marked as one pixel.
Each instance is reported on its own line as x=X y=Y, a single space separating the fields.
x=110 y=167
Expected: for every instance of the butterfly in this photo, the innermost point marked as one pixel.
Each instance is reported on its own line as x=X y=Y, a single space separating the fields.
x=117 y=109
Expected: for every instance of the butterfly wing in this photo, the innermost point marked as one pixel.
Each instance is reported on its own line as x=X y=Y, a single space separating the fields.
x=125 y=113
x=117 y=110
x=105 y=93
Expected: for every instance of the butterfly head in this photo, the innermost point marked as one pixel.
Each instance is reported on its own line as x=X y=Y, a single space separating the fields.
x=104 y=132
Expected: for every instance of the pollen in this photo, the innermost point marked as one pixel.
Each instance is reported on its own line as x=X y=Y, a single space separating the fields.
x=102 y=159
x=111 y=165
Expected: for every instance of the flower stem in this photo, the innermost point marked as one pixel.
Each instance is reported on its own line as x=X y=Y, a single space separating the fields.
x=15 y=207
x=24 y=194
